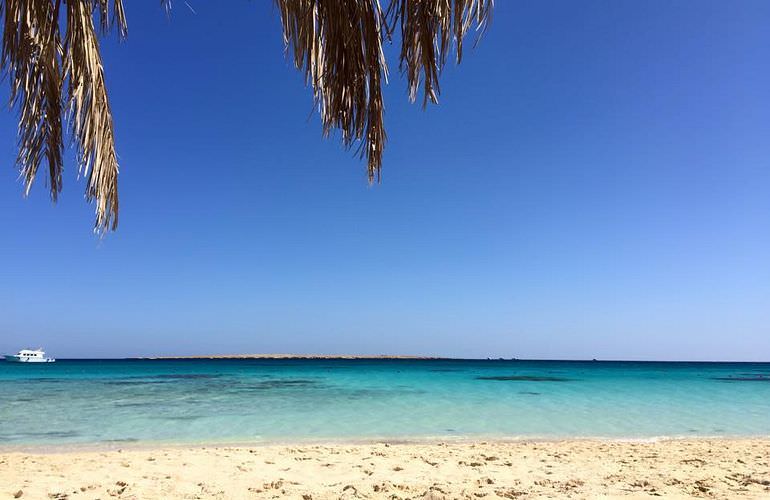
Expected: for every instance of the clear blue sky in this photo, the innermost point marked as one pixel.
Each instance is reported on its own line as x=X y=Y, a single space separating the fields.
x=594 y=183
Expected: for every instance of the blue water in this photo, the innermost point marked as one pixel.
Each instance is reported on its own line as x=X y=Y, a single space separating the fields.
x=287 y=400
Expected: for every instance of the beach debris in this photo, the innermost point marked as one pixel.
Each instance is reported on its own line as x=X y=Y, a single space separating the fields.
x=746 y=479
x=573 y=484
x=121 y=487
x=702 y=485
x=434 y=494
x=273 y=485
x=18 y=494
x=510 y=493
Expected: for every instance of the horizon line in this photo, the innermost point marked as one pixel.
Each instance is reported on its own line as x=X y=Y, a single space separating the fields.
x=384 y=357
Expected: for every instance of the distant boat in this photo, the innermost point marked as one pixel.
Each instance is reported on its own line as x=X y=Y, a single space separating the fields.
x=29 y=356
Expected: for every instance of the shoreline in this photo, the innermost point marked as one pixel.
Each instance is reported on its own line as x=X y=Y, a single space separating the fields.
x=149 y=445
x=675 y=468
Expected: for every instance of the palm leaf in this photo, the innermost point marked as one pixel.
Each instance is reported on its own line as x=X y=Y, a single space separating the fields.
x=50 y=52
x=338 y=44
x=40 y=61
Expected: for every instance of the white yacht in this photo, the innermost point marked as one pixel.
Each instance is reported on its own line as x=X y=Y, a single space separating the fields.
x=29 y=356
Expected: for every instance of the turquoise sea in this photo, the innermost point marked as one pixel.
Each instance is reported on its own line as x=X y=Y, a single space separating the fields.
x=241 y=401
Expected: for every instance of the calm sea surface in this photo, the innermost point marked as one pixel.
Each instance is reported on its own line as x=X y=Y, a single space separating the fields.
x=99 y=401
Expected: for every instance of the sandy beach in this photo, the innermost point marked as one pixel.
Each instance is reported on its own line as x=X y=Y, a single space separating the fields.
x=703 y=468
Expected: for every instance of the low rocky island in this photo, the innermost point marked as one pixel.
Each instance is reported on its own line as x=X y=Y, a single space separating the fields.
x=293 y=356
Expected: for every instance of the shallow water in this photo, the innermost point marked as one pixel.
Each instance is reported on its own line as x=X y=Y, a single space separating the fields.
x=101 y=401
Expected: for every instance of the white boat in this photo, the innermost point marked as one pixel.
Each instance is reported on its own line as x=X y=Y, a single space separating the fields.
x=29 y=356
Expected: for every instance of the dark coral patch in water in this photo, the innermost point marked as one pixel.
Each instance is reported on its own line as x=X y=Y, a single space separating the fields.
x=136 y=405
x=38 y=435
x=135 y=382
x=189 y=375
x=758 y=378
x=161 y=379
x=49 y=380
x=379 y=393
x=530 y=393
x=287 y=383
x=183 y=418
x=525 y=378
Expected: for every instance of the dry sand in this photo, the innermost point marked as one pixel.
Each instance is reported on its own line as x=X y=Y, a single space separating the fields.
x=559 y=469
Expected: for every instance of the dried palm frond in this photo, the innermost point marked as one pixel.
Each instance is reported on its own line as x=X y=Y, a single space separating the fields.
x=428 y=30
x=31 y=54
x=338 y=45
x=40 y=61
x=50 y=51
x=87 y=100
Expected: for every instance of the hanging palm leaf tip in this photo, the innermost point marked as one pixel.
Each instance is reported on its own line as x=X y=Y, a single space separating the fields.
x=338 y=45
x=50 y=53
x=53 y=74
